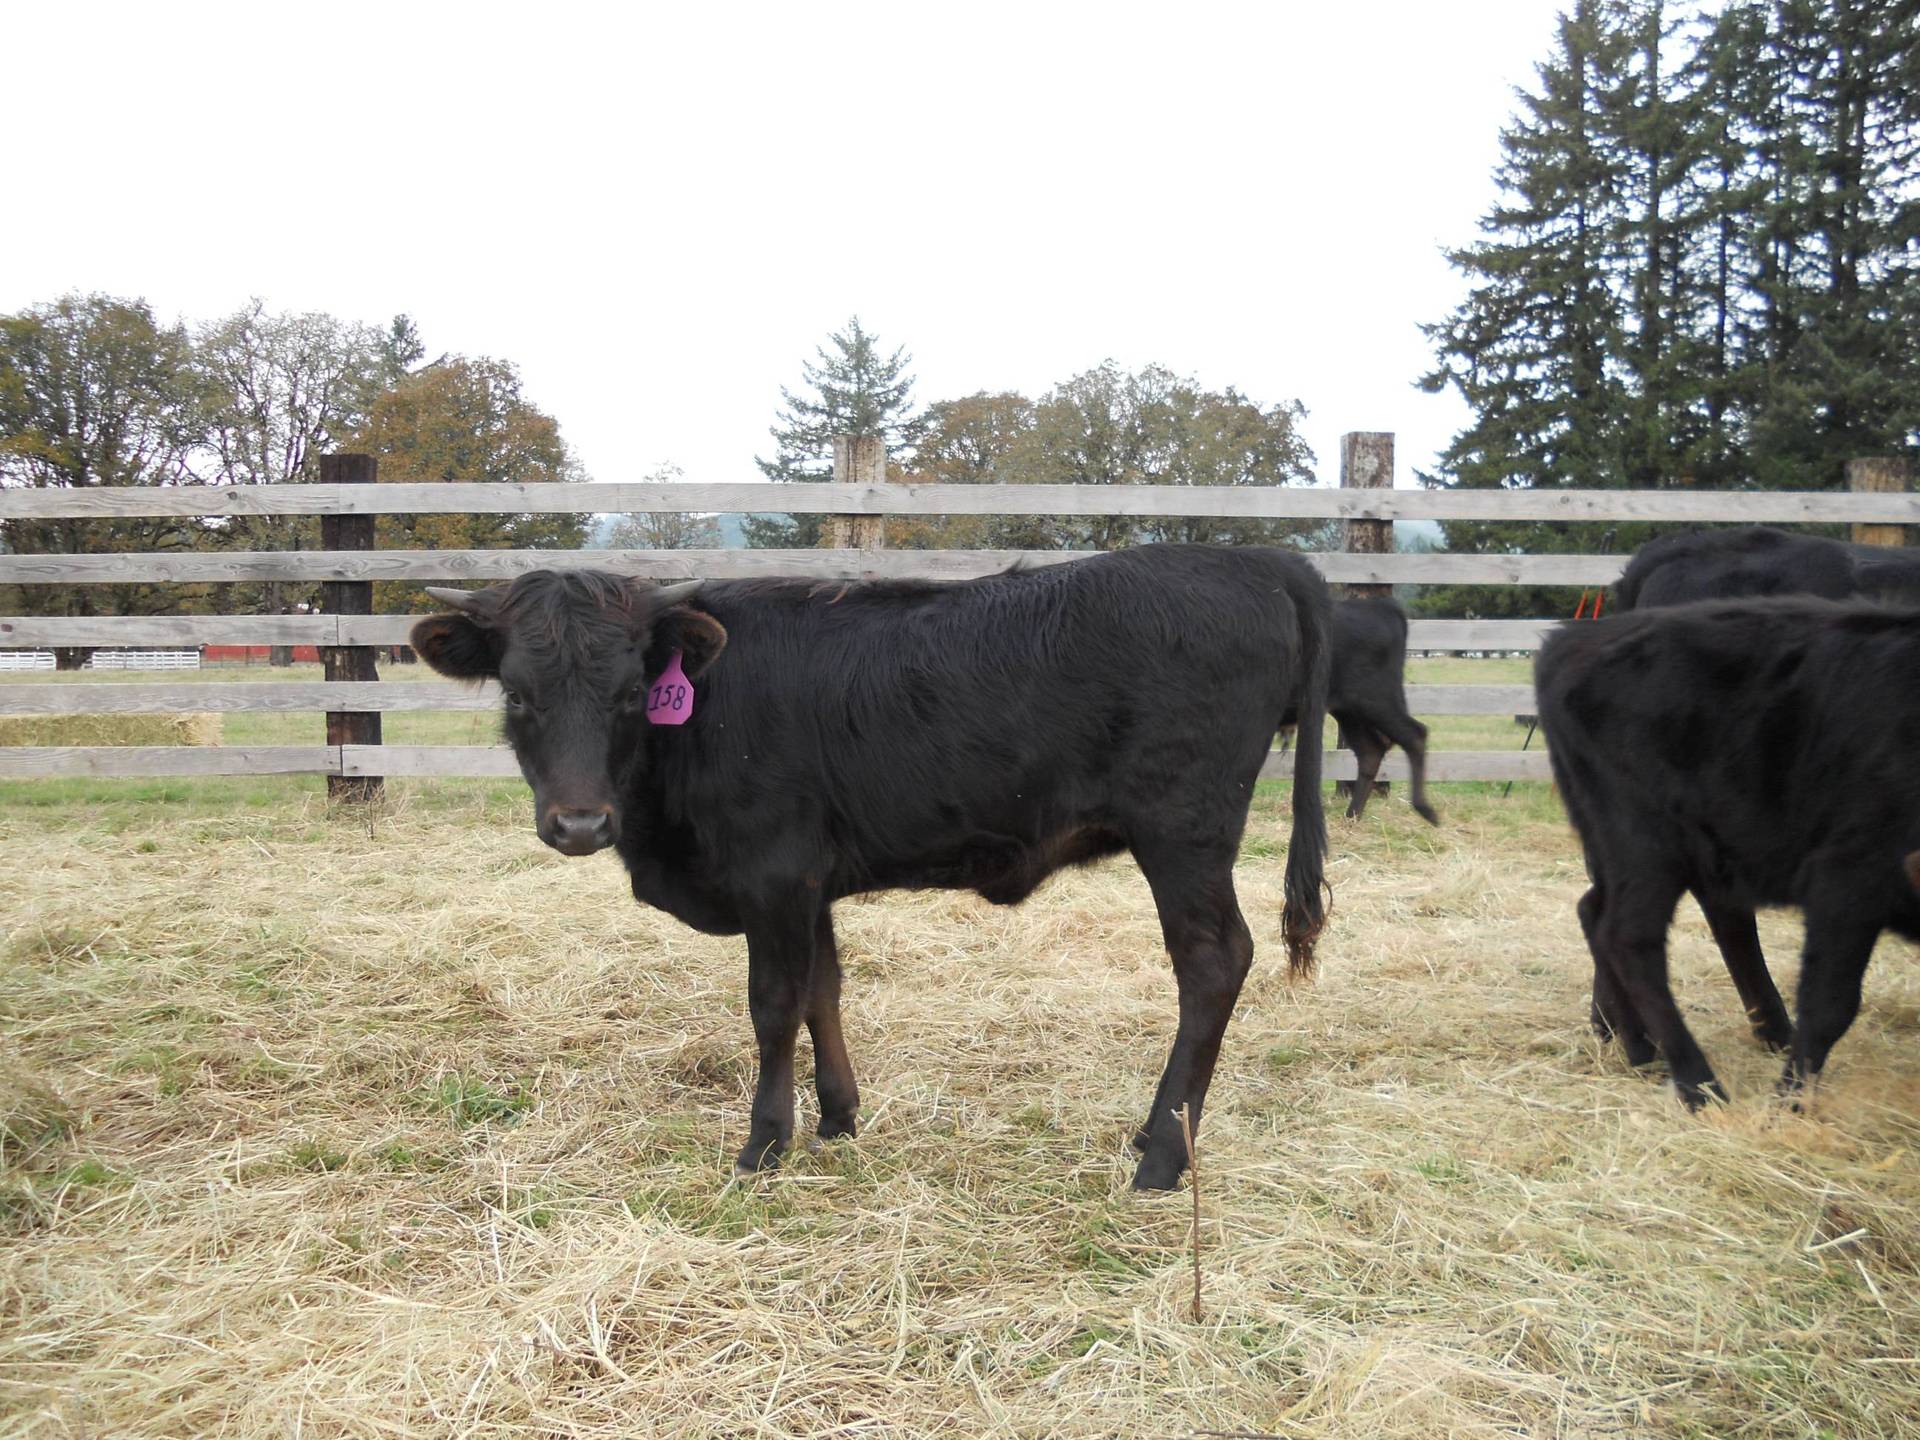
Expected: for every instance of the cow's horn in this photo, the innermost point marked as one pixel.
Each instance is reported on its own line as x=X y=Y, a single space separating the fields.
x=458 y=599
x=668 y=595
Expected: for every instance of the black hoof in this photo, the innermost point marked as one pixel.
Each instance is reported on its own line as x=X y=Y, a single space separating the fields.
x=1775 y=1038
x=1695 y=1097
x=1156 y=1172
x=759 y=1155
x=838 y=1127
x=1640 y=1055
x=1793 y=1089
x=1427 y=813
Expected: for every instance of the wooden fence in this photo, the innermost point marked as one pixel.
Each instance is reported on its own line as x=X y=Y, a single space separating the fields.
x=353 y=699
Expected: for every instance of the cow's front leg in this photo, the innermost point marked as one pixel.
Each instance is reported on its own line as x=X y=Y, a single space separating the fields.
x=779 y=973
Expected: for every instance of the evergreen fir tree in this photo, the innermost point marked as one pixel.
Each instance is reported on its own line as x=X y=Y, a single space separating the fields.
x=1703 y=270
x=1529 y=348
x=853 y=389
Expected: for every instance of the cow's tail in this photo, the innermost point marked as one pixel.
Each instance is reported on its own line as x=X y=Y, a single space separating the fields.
x=1305 y=913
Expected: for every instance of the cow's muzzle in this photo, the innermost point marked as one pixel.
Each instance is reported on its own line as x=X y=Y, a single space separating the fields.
x=577 y=832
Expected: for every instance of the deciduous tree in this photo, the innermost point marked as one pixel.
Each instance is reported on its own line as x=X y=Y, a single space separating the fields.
x=465 y=420
x=664 y=529
x=94 y=393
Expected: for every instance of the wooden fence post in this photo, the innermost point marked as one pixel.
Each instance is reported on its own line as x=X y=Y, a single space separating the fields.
x=349 y=597
x=1880 y=475
x=857 y=460
x=1366 y=463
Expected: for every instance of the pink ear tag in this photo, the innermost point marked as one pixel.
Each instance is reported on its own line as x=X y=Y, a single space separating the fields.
x=670 y=697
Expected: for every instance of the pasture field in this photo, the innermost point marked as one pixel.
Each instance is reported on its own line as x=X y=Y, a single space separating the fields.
x=326 y=1123
x=473 y=727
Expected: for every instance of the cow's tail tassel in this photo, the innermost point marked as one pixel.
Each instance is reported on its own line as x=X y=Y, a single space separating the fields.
x=1304 y=913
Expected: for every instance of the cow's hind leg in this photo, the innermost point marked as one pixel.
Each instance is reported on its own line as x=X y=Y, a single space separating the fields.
x=1631 y=935
x=1612 y=1014
x=780 y=950
x=1832 y=966
x=1369 y=749
x=832 y=1070
x=1212 y=951
x=1411 y=736
x=1739 y=941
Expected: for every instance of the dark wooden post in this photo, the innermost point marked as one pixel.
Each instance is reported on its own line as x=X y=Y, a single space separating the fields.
x=1366 y=463
x=349 y=597
x=857 y=460
x=1880 y=475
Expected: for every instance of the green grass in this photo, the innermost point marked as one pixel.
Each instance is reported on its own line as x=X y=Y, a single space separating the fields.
x=466 y=1100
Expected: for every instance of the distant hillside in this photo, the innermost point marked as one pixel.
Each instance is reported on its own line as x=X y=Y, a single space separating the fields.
x=732 y=533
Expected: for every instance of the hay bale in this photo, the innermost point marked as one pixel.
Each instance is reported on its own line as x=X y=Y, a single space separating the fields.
x=198 y=728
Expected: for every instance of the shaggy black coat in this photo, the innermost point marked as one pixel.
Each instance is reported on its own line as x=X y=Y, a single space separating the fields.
x=1754 y=753
x=973 y=735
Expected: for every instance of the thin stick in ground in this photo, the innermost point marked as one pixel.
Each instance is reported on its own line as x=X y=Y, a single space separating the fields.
x=1193 y=1166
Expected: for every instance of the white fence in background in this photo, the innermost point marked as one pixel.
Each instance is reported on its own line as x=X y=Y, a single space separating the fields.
x=144 y=660
x=106 y=660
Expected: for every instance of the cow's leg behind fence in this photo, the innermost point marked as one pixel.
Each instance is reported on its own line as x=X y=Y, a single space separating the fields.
x=1369 y=748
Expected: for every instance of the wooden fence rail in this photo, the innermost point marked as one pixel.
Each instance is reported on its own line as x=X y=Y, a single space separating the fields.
x=44 y=632
x=349 y=639
x=440 y=565
x=381 y=696
x=24 y=762
x=1773 y=507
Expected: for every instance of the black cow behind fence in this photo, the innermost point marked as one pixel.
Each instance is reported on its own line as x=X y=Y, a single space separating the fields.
x=1367 y=694
x=1757 y=560
x=759 y=749
x=1755 y=753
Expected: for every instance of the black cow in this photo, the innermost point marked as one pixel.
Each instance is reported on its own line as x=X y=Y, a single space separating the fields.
x=1367 y=694
x=1756 y=560
x=978 y=735
x=1755 y=753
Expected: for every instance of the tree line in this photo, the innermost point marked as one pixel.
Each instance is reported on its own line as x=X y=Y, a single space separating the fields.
x=95 y=391
x=1104 y=426
x=1704 y=266
x=1702 y=270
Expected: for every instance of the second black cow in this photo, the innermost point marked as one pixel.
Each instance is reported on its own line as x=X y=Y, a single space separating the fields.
x=1756 y=753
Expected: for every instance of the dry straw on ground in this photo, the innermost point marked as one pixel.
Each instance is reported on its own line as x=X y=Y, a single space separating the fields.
x=425 y=1135
x=194 y=729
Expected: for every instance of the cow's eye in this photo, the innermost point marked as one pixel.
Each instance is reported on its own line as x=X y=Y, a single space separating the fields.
x=512 y=697
x=637 y=696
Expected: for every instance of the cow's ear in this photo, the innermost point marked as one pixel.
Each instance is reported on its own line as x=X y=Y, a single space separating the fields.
x=466 y=643
x=694 y=633
x=454 y=645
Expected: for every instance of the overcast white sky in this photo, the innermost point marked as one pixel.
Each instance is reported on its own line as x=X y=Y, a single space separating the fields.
x=659 y=212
